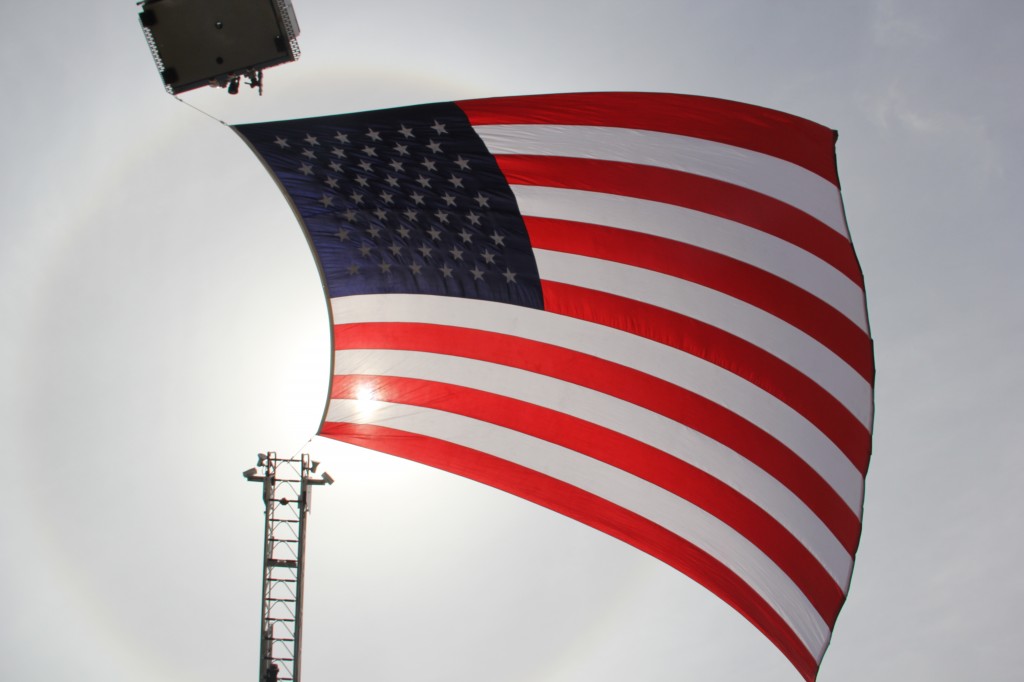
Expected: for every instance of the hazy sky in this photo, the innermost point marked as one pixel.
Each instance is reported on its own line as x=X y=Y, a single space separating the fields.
x=162 y=322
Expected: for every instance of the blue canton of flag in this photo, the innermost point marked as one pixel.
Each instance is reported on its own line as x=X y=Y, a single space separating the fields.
x=403 y=201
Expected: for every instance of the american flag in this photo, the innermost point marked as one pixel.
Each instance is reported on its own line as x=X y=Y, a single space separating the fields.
x=640 y=310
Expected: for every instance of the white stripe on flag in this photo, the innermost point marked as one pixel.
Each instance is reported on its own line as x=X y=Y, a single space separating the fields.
x=761 y=173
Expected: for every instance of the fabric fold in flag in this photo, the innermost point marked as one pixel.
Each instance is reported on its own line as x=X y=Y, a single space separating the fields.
x=640 y=310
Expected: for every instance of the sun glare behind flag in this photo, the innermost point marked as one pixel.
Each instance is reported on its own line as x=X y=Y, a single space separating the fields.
x=642 y=311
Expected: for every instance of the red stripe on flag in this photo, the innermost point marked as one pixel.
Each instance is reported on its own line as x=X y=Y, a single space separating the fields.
x=656 y=395
x=747 y=283
x=730 y=352
x=591 y=510
x=775 y=133
x=622 y=452
x=707 y=195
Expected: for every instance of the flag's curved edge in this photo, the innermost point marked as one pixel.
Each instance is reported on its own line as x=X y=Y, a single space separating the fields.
x=316 y=260
x=874 y=374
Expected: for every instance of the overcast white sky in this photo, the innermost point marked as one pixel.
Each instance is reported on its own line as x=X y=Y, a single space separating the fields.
x=162 y=323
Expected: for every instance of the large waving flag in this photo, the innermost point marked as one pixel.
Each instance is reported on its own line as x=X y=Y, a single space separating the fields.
x=640 y=310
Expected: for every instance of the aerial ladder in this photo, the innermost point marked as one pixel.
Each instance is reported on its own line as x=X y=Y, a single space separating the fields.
x=287 y=487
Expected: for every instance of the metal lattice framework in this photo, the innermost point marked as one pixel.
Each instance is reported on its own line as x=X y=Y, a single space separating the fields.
x=286 y=497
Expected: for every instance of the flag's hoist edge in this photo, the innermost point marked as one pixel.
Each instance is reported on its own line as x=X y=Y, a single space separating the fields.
x=687 y=363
